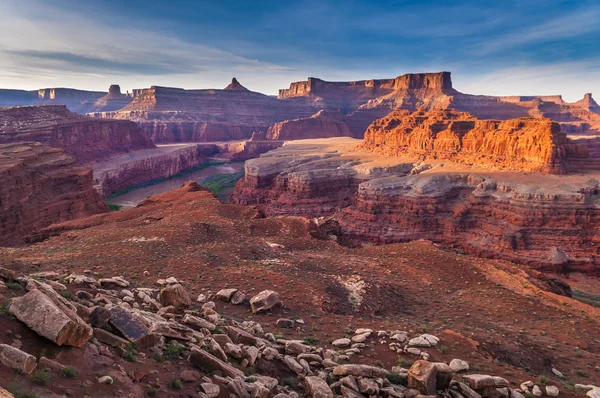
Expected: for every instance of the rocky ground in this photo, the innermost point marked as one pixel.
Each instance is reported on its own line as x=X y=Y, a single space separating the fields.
x=128 y=295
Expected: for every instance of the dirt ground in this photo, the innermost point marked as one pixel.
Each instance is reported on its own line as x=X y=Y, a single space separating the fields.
x=495 y=315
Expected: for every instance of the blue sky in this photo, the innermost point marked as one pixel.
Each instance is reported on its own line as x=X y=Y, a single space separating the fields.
x=491 y=47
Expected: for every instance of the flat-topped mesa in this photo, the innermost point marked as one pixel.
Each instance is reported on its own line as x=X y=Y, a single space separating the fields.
x=317 y=87
x=114 y=90
x=235 y=85
x=41 y=186
x=87 y=139
x=516 y=144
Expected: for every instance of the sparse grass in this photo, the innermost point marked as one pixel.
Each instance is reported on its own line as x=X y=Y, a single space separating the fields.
x=591 y=299
x=217 y=330
x=379 y=363
x=176 y=384
x=289 y=382
x=4 y=311
x=67 y=294
x=582 y=373
x=130 y=352
x=543 y=380
x=20 y=391
x=41 y=377
x=151 y=391
x=444 y=349
x=173 y=351
x=311 y=340
x=13 y=285
x=114 y=207
x=68 y=372
x=403 y=362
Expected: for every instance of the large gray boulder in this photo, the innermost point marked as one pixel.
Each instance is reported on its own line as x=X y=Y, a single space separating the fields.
x=317 y=387
x=51 y=316
x=264 y=301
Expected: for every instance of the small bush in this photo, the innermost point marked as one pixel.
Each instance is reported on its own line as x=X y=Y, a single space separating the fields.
x=66 y=294
x=151 y=392
x=405 y=363
x=114 y=207
x=68 y=372
x=173 y=351
x=289 y=382
x=130 y=352
x=582 y=373
x=444 y=349
x=13 y=285
x=176 y=384
x=311 y=340
x=379 y=363
x=41 y=377
x=543 y=380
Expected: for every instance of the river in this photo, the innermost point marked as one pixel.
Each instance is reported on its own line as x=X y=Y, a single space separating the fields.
x=227 y=171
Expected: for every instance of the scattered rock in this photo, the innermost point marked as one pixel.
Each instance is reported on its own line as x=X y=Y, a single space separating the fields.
x=552 y=391
x=264 y=301
x=17 y=359
x=422 y=377
x=340 y=343
x=285 y=323
x=317 y=387
x=175 y=295
x=105 y=380
x=226 y=294
x=458 y=365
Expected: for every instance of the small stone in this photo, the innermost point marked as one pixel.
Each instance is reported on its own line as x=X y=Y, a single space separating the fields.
x=285 y=323
x=537 y=391
x=345 y=342
x=201 y=298
x=237 y=298
x=552 y=391
x=105 y=380
x=264 y=301
x=458 y=365
x=226 y=294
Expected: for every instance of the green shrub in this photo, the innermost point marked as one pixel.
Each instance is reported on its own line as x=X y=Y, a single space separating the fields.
x=173 y=351
x=176 y=384
x=396 y=378
x=41 y=377
x=68 y=372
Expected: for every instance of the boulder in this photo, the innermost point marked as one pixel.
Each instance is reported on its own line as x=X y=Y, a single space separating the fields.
x=5 y=394
x=477 y=381
x=175 y=295
x=293 y=365
x=205 y=361
x=360 y=370
x=458 y=365
x=422 y=376
x=17 y=359
x=54 y=317
x=237 y=298
x=198 y=322
x=368 y=386
x=317 y=387
x=552 y=391
x=109 y=338
x=296 y=347
x=130 y=327
x=226 y=294
x=285 y=323
x=210 y=389
x=264 y=301
x=240 y=336
x=345 y=342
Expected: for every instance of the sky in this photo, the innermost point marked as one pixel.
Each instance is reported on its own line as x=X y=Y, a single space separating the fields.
x=529 y=47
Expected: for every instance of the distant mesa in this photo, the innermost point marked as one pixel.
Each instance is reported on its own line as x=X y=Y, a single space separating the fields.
x=114 y=90
x=235 y=85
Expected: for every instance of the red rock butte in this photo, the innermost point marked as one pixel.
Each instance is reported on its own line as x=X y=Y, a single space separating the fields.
x=516 y=144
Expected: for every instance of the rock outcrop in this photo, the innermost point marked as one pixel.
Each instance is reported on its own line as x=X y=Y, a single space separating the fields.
x=89 y=140
x=533 y=218
x=76 y=100
x=517 y=144
x=177 y=115
x=235 y=85
x=323 y=124
x=142 y=166
x=41 y=186
x=112 y=101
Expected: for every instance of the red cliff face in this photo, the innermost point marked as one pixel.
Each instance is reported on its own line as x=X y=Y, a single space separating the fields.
x=517 y=144
x=87 y=139
x=444 y=176
x=41 y=186
x=323 y=124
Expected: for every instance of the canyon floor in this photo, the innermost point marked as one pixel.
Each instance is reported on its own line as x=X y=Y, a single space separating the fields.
x=501 y=318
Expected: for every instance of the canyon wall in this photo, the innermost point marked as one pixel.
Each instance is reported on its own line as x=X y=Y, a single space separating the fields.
x=452 y=179
x=323 y=124
x=88 y=139
x=41 y=186
x=76 y=100
x=176 y=115
x=516 y=144
x=119 y=173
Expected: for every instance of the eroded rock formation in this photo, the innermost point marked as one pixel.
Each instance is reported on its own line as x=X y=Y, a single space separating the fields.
x=545 y=220
x=125 y=171
x=87 y=139
x=516 y=144
x=177 y=115
x=323 y=124
x=41 y=186
x=112 y=101
x=76 y=100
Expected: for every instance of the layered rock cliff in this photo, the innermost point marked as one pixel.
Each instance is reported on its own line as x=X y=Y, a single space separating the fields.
x=112 y=101
x=323 y=124
x=41 y=186
x=516 y=144
x=548 y=221
x=88 y=139
x=143 y=166
x=177 y=115
x=76 y=100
